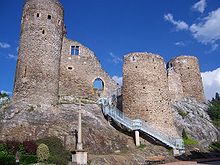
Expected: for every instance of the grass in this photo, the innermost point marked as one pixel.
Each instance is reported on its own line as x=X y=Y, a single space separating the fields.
x=189 y=141
x=142 y=146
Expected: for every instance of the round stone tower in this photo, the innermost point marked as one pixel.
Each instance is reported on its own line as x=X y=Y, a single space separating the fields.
x=145 y=91
x=37 y=73
x=188 y=69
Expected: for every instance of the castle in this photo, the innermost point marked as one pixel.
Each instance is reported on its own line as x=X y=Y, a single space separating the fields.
x=53 y=69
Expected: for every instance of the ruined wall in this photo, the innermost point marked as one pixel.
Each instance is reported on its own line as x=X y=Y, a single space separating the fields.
x=145 y=91
x=78 y=72
x=175 y=84
x=37 y=71
x=188 y=69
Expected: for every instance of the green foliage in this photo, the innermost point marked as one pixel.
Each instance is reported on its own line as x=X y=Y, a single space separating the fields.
x=58 y=154
x=142 y=146
x=190 y=142
x=43 y=152
x=187 y=140
x=182 y=113
x=4 y=100
x=184 y=134
x=214 y=110
x=215 y=146
x=6 y=159
x=28 y=159
x=3 y=147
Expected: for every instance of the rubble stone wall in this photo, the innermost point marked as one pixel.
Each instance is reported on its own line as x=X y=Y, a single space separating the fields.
x=188 y=69
x=37 y=72
x=78 y=73
x=145 y=91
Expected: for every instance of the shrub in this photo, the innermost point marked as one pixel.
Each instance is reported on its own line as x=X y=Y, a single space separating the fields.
x=28 y=159
x=58 y=154
x=182 y=113
x=43 y=152
x=142 y=146
x=6 y=159
x=214 y=110
x=12 y=146
x=188 y=141
x=30 y=147
x=3 y=147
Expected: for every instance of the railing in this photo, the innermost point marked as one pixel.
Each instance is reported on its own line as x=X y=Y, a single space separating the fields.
x=110 y=110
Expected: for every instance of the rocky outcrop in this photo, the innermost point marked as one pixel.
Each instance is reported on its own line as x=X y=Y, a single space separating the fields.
x=61 y=121
x=193 y=117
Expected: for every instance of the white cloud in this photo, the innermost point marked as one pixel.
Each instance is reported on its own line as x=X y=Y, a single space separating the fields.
x=118 y=80
x=12 y=56
x=180 y=43
x=211 y=83
x=207 y=31
x=115 y=58
x=180 y=25
x=200 y=6
x=214 y=47
x=4 y=45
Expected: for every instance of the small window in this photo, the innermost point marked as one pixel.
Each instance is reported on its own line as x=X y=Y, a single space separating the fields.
x=43 y=31
x=74 y=50
x=143 y=87
x=49 y=17
x=70 y=68
x=98 y=84
x=59 y=22
x=136 y=67
x=38 y=14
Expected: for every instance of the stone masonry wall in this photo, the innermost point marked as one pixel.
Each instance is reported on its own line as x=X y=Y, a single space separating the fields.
x=78 y=72
x=37 y=71
x=145 y=91
x=175 y=84
x=188 y=69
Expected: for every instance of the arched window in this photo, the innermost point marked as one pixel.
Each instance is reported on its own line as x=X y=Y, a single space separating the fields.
x=98 y=84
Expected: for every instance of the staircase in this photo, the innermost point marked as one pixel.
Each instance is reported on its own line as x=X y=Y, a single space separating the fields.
x=109 y=109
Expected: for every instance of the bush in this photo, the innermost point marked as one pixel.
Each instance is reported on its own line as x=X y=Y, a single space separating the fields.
x=187 y=140
x=182 y=113
x=3 y=147
x=12 y=146
x=28 y=159
x=6 y=159
x=30 y=147
x=214 y=110
x=58 y=154
x=43 y=152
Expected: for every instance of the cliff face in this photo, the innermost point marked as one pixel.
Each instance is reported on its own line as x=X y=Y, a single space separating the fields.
x=193 y=117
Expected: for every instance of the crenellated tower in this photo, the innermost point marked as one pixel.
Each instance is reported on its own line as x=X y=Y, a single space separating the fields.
x=41 y=35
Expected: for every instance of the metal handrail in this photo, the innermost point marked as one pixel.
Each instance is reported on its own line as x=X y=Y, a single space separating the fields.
x=137 y=124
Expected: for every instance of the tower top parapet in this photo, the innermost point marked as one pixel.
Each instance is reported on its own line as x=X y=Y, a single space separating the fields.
x=52 y=1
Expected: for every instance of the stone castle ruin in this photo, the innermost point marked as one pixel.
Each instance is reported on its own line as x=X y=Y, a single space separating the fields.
x=52 y=69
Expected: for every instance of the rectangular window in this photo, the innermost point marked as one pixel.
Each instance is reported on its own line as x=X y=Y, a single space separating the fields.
x=75 y=50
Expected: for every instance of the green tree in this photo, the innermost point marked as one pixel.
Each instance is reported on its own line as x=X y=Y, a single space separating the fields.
x=214 y=109
x=4 y=99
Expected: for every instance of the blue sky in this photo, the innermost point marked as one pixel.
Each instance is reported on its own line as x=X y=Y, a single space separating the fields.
x=113 y=28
